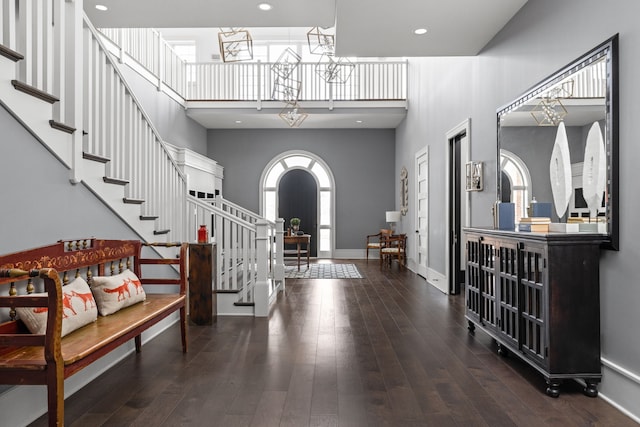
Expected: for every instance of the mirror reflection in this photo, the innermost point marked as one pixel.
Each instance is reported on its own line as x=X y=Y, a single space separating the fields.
x=555 y=147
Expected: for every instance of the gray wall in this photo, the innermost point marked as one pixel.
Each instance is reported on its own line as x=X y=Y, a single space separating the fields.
x=360 y=160
x=40 y=206
x=544 y=36
x=166 y=114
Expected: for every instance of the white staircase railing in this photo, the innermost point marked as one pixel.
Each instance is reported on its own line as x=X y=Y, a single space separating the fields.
x=240 y=237
x=61 y=59
x=118 y=129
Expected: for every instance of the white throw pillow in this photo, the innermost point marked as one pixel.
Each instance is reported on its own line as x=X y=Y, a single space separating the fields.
x=78 y=309
x=115 y=292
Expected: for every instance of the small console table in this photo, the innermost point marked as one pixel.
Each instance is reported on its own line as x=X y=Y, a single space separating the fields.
x=298 y=240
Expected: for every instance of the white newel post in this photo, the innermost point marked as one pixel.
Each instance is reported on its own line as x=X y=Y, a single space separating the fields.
x=75 y=86
x=278 y=268
x=261 y=288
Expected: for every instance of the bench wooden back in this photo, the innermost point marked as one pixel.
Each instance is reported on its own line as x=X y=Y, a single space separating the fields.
x=79 y=258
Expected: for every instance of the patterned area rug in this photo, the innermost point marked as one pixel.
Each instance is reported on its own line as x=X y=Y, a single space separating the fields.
x=322 y=271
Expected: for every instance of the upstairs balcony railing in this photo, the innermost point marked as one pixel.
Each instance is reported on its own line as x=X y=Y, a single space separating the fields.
x=251 y=81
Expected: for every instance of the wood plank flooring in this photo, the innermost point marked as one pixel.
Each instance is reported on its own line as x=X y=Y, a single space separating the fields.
x=386 y=350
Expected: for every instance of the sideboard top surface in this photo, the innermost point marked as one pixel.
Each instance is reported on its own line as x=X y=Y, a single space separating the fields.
x=550 y=238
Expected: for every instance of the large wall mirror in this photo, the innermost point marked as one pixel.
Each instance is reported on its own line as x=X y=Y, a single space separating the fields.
x=558 y=146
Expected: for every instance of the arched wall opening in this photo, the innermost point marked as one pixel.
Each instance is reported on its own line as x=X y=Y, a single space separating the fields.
x=318 y=169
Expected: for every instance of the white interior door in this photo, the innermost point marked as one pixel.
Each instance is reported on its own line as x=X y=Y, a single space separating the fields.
x=422 y=211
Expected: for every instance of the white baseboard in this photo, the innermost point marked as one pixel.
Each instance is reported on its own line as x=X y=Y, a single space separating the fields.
x=621 y=388
x=354 y=254
x=437 y=279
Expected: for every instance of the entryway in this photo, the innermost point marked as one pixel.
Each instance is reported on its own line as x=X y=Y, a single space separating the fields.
x=298 y=197
x=280 y=193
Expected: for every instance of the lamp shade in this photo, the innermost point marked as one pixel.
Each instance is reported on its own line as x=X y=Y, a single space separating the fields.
x=393 y=216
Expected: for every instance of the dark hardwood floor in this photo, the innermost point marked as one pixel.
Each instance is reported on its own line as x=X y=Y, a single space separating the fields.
x=386 y=350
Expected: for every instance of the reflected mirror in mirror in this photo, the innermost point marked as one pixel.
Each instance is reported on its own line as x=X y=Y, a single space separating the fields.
x=557 y=147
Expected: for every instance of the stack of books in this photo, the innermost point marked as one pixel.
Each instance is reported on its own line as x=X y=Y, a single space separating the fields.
x=538 y=224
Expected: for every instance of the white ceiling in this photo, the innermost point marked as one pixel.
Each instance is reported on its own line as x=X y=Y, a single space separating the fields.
x=363 y=28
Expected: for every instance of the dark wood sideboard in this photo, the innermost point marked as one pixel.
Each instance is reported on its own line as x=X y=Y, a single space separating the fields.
x=538 y=296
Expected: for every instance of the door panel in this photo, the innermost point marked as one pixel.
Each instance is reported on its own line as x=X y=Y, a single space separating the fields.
x=422 y=212
x=298 y=197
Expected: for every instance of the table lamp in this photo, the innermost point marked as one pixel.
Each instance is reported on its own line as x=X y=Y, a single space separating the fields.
x=392 y=218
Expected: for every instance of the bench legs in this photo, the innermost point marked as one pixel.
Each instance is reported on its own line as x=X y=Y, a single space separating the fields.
x=138 y=341
x=55 y=394
x=183 y=328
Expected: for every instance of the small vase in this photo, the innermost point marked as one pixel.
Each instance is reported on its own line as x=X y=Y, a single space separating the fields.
x=203 y=234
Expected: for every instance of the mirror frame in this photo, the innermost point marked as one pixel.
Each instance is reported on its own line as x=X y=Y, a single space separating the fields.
x=608 y=49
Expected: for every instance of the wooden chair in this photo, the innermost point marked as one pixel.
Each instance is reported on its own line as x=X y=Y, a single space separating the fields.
x=393 y=247
x=374 y=241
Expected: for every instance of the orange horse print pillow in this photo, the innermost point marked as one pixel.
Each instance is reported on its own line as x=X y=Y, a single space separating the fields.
x=115 y=292
x=78 y=309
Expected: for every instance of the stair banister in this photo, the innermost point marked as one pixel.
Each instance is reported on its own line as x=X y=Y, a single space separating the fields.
x=150 y=148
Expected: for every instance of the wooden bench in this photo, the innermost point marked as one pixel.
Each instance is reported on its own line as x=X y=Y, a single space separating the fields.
x=29 y=359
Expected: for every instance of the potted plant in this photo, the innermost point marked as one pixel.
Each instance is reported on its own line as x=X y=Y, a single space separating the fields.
x=295 y=224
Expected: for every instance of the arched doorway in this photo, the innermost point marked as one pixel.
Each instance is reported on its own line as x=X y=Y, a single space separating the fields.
x=316 y=168
x=298 y=197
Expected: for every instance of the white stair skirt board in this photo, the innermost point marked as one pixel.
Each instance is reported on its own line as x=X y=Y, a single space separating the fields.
x=560 y=172
x=594 y=170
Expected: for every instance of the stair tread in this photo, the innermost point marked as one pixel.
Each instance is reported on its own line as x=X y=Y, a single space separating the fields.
x=244 y=304
x=118 y=181
x=61 y=126
x=95 y=157
x=10 y=53
x=34 y=91
x=133 y=201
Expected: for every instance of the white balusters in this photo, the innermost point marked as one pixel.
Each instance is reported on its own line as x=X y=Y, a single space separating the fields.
x=238 y=250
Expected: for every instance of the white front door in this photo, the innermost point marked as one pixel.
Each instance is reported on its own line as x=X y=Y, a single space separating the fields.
x=422 y=211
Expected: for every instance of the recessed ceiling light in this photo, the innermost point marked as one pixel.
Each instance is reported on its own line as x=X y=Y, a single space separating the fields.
x=264 y=6
x=238 y=121
x=358 y=121
x=420 y=31
x=101 y=7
